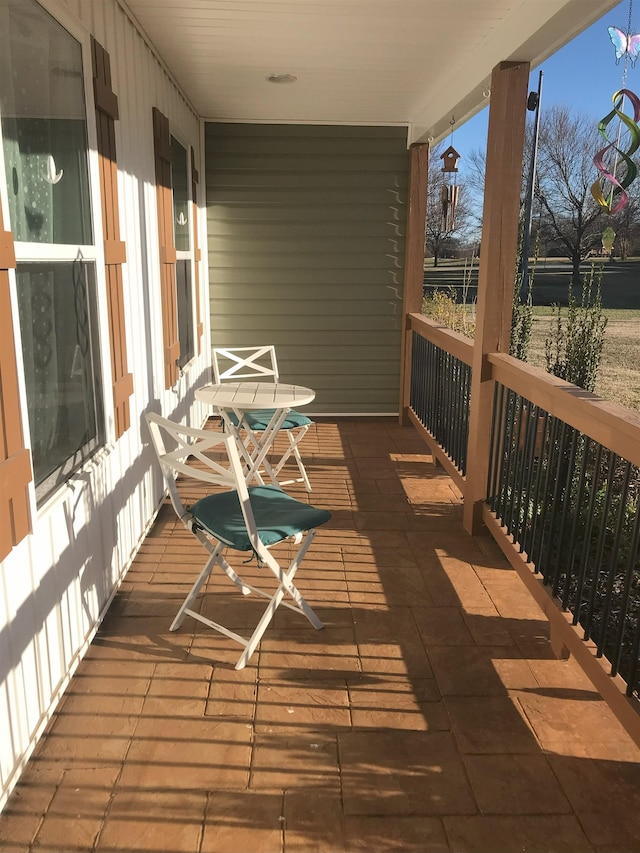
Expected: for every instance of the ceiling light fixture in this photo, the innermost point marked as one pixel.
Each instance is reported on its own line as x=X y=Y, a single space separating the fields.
x=281 y=78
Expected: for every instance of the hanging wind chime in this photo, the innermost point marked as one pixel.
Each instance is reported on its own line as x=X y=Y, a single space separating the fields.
x=614 y=162
x=449 y=192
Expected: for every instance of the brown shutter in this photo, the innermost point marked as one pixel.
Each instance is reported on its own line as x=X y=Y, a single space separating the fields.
x=197 y=254
x=15 y=460
x=114 y=249
x=162 y=148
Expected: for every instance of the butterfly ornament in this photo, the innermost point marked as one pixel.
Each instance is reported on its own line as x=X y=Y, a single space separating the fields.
x=625 y=44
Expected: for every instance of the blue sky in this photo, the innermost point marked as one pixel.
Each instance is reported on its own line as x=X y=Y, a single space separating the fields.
x=583 y=75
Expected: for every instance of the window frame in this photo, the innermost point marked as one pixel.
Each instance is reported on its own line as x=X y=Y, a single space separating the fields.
x=186 y=254
x=197 y=252
x=27 y=252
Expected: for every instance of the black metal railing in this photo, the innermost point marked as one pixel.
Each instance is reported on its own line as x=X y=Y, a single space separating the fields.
x=572 y=507
x=440 y=390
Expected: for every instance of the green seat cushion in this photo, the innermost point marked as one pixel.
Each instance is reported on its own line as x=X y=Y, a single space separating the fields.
x=258 y=419
x=233 y=418
x=277 y=516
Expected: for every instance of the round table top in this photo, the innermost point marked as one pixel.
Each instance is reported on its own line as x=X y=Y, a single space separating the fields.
x=254 y=395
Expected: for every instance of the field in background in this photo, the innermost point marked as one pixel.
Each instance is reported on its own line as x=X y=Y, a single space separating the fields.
x=620 y=280
x=619 y=374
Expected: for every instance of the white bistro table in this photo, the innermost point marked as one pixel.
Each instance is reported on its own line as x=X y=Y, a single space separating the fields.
x=240 y=397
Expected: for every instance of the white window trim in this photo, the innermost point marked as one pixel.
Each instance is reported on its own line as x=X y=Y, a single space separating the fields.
x=184 y=255
x=34 y=252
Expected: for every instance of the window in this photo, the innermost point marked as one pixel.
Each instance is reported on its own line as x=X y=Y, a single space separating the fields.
x=181 y=230
x=45 y=153
x=57 y=314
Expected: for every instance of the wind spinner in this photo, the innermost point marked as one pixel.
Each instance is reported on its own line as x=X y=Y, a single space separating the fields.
x=620 y=173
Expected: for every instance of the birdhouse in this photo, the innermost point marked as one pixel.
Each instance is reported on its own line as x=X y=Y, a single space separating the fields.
x=450 y=160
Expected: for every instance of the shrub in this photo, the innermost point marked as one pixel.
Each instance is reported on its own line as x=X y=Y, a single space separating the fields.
x=442 y=307
x=521 y=323
x=574 y=347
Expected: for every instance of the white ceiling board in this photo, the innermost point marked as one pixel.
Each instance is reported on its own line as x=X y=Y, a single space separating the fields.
x=413 y=62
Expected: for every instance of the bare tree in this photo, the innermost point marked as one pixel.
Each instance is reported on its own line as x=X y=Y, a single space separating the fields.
x=442 y=223
x=571 y=219
x=474 y=179
x=566 y=215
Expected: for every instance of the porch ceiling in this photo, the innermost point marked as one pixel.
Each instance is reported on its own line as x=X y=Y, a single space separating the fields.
x=414 y=62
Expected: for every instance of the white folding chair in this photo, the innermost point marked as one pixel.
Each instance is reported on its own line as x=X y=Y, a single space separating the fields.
x=258 y=363
x=241 y=517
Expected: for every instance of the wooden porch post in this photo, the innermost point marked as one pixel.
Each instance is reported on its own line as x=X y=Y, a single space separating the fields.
x=413 y=262
x=497 y=269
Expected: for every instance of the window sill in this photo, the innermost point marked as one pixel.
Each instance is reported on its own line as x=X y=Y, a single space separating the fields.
x=75 y=482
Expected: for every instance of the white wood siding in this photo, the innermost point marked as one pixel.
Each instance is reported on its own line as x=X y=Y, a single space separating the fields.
x=55 y=584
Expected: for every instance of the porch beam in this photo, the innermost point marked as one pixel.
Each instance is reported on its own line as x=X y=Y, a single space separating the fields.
x=413 y=263
x=496 y=272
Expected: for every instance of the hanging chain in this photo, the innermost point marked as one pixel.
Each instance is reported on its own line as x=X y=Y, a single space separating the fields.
x=625 y=66
x=626 y=55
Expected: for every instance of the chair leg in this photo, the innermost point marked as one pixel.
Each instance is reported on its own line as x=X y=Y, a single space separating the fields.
x=294 y=440
x=256 y=447
x=215 y=557
x=262 y=445
x=247 y=447
x=266 y=619
x=285 y=586
x=195 y=589
x=286 y=578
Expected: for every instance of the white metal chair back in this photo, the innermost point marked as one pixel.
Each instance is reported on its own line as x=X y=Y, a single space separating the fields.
x=235 y=516
x=244 y=363
x=191 y=445
x=260 y=363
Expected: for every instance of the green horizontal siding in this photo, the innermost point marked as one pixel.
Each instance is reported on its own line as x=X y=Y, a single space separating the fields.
x=238 y=275
x=306 y=232
x=315 y=307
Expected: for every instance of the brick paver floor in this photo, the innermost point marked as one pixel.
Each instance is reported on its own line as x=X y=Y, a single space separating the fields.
x=428 y=715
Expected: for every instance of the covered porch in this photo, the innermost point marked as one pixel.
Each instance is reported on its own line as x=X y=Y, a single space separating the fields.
x=430 y=714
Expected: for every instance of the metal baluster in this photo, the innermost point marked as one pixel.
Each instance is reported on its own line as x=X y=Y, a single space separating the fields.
x=445 y=411
x=526 y=463
x=566 y=506
x=632 y=568
x=634 y=662
x=600 y=546
x=515 y=474
x=541 y=535
x=506 y=455
x=541 y=467
x=497 y=424
x=586 y=444
x=554 y=506
x=455 y=410
x=586 y=543
x=611 y=574
x=428 y=389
